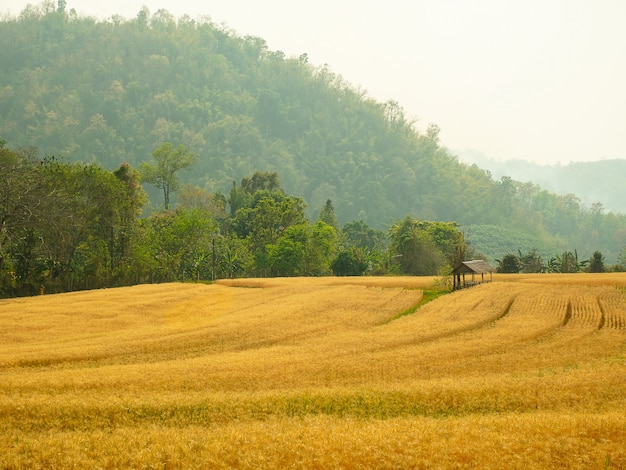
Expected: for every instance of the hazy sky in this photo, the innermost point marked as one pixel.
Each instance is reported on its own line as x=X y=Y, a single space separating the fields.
x=539 y=80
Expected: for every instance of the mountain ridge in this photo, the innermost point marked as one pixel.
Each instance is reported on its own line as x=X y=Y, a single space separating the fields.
x=600 y=181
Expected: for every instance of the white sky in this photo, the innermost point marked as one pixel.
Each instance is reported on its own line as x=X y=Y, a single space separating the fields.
x=538 y=80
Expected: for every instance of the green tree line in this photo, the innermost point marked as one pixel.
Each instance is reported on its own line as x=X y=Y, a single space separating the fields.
x=66 y=226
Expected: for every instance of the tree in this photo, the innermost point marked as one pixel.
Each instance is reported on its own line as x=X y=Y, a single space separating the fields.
x=567 y=263
x=320 y=248
x=359 y=234
x=169 y=161
x=531 y=262
x=130 y=208
x=621 y=260
x=233 y=257
x=33 y=211
x=509 y=264
x=286 y=257
x=596 y=263
x=449 y=240
x=93 y=219
x=195 y=197
x=22 y=192
x=261 y=180
x=328 y=215
x=143 y=16
x=424 y=248
x=304 y=249
x=414 y=248
x=176 y=240
x=349 y=263
x=272 y=214
x=64 y=225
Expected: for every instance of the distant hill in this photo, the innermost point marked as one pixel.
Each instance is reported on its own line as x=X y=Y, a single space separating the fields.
x=111 y=91
x=600 y=181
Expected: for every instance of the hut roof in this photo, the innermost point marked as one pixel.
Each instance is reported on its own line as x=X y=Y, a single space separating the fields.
x=477 y=266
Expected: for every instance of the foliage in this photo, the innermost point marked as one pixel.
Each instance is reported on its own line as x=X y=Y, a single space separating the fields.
x=169 y=161
x=495 y=241
x=282 y=240
x=112 y=91
x=359 y=234
x=568 y=262
x=596 y=263
x=320 y=248
x=68 y=226
x=177 y=243
x=329 y=216
x=582 y=178
x=621 y=261
x=532 y=262
x=509 y=264
x=349 y=263
x=423 y=248
x=65 y=225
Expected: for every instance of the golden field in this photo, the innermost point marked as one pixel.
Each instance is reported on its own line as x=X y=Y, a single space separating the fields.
x=528 y=371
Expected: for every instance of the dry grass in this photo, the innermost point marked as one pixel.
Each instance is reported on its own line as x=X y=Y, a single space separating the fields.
x=572 y=279
x=525 y=372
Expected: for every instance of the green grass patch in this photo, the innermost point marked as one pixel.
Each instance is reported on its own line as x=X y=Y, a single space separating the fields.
x=427 y=296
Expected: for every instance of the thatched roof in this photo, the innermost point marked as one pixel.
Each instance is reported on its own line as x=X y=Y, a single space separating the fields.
x=477 y=266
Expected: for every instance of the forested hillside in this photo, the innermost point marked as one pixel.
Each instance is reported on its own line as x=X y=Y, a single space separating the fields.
x=110 y=92
x=593 y=182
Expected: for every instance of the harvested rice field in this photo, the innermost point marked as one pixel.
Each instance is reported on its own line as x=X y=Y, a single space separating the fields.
x=527 y=371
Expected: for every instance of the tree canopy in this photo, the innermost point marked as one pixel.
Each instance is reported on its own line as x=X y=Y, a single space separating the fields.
x=163 y=173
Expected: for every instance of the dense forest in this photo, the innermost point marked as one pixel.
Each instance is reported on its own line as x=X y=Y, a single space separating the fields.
x=102 y=96
x=67 y=226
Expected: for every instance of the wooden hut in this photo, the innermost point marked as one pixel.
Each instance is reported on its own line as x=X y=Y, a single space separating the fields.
x=474 y=268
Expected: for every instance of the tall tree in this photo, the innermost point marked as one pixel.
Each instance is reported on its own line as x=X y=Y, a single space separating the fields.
x=509 y=264
x=26 y=200
x=130 y=208
x=163 y=173
x=320 y=248
x=176 y=241
x=414 y=248
x=328 y=215
x=286 y=256
x=596 y=263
